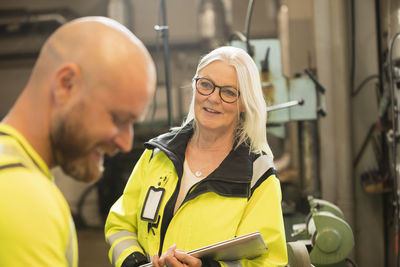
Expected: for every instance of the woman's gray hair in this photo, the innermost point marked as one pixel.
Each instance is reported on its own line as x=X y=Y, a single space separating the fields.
x=251 y=127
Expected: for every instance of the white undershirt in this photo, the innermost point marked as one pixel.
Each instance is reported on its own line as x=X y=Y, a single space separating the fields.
x=188 y=180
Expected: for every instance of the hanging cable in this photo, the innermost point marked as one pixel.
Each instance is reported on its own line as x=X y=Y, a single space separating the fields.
x=394 y=148
x=363 y=83
x=248 y=22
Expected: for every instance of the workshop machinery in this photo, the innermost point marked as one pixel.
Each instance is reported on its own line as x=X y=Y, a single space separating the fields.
x=325 y=236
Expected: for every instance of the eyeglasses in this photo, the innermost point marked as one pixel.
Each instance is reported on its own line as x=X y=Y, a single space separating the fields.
x=228 y=94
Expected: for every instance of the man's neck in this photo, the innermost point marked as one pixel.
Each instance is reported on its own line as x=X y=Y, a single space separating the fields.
x=32 y=123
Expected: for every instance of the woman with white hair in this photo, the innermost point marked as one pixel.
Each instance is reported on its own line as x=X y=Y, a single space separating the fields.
x=207 y=181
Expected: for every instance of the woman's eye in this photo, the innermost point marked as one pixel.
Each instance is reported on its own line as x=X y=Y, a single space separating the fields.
x=229 y=92
x=206 y=85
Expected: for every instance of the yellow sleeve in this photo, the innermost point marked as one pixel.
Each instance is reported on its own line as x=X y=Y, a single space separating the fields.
x=35 y=221
x=264 y=213
x=121 y=223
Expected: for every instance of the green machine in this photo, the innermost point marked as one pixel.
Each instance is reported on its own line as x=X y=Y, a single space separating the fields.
x=327 y=236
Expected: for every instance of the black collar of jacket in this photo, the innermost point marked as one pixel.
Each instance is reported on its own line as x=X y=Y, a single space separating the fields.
x=236 y=168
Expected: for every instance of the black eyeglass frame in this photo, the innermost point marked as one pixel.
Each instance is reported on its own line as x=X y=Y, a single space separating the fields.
x=215 y=86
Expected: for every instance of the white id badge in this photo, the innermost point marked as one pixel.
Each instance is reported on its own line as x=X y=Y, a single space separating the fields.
x=152 y=204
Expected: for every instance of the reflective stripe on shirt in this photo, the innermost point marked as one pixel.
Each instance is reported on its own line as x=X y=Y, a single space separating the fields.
x=11 y=165
x=69 y=254
x=13 y=151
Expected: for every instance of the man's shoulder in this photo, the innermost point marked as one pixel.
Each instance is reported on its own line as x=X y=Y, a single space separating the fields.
x=29 y=185
x=34 y=212
x=11 y=159
x=31 y=202
x=10 y=165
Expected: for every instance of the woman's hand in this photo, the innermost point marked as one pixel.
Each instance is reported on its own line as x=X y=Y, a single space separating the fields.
x=187 y=260
x=175 y=258
x=167 y=258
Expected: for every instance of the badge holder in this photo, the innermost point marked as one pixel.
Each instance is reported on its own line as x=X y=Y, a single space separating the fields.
x=152 y=204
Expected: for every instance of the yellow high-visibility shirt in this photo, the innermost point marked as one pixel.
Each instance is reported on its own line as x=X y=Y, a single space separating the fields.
x=36 y=226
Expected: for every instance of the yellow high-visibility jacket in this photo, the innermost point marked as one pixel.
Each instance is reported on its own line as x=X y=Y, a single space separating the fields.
x=36 y=227
x=241 y=196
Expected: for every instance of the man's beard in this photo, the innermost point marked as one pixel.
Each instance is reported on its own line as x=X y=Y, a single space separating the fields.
x=73 y=150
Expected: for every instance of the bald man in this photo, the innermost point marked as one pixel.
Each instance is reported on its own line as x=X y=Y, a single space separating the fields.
x=92 y=80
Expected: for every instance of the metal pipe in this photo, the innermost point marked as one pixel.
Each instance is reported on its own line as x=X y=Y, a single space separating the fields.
x=248 y=22
x=395 y=126
x=33 y=18
x=379 y=44
x=285 y=105
x=309 y=165
x=164 y=34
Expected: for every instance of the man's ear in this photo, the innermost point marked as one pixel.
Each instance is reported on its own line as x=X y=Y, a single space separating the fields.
x=68 y=81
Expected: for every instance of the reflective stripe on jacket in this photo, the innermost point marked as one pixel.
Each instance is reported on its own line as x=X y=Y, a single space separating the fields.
x=241 y=196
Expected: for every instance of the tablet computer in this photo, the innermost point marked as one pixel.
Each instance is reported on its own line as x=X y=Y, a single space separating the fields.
x=247 y=246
